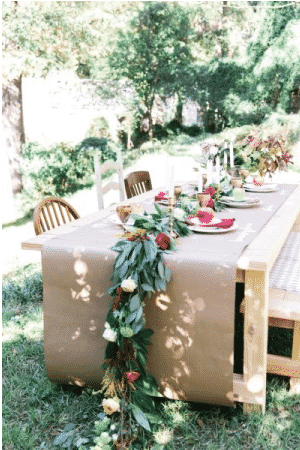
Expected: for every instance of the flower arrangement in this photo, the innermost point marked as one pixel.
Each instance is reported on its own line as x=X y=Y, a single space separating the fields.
x=263 y=155
x=139 y=269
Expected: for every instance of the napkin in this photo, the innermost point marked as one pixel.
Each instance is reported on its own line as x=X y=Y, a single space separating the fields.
x=161 y=196
x=223 y=223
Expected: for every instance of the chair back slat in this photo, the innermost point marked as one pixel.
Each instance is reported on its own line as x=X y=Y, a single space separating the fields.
x=47 y=207
x=137 y=183
x=52 y=212
x=61 y=213
x=99 y=170
x=44 y=214
x=55 y=214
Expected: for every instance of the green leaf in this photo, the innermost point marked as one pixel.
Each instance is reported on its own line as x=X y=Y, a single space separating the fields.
x=140 y=417
x=69 y=426
x=131 y=317
x=160 y=268
x=68 y=443
x=139 y=314
x=150 y=249
x=168 y=274
x=145 y=334
x=110 y=350
x=61 y=438
x=134 y=302
x=147 y=287
x=158 y=447
x=81 y=441
x=124 y=269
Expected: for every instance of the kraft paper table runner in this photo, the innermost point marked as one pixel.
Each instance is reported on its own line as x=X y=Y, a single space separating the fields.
x=193 y=322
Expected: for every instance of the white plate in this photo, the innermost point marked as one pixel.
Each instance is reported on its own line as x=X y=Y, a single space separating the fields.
x=212 y=230
x=117 y=221
x=247 y=203
x=264 y=188
x=166 y=202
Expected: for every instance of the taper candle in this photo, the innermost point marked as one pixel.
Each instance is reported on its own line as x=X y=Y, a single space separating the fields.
x=231 y=155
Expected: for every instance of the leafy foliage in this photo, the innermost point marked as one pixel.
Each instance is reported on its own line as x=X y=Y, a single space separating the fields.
x=154 y=53
x=61 y=169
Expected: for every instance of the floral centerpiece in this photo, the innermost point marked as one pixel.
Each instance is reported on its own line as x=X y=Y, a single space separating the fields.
x=263 y=155
x=139 y=270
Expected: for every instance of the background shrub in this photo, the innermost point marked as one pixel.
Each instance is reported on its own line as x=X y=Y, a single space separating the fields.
x=61 y=169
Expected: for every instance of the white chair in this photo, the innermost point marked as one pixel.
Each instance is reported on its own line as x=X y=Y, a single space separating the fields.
x=99 y=170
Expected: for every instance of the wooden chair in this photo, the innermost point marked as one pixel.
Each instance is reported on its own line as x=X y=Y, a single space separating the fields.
x=137 y=183
x=284 y=312
x=51 y=213
x=99 y=170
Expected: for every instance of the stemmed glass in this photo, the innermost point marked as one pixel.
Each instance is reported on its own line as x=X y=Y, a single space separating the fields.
x=123 y=213
x=177 y=192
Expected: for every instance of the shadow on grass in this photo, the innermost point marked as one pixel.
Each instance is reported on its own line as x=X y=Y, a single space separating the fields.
x=27 y=217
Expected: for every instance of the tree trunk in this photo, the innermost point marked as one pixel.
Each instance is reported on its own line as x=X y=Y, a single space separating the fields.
x=13 y=129
x=179 y=109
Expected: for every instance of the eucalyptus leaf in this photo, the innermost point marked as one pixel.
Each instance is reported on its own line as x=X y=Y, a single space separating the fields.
x=81 y=441
x=61 y=438
x=140 y=417
x=160 y=268
x=168 y=274
x=134 y=302
x=139 y=314
x=124 y=269
x=131 y=317
x=147 y=287
x=69 y=426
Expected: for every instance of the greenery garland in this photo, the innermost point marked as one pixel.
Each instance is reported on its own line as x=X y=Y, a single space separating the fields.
x=138 y=270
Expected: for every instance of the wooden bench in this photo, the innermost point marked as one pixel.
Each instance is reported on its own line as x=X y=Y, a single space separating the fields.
x=284 y=312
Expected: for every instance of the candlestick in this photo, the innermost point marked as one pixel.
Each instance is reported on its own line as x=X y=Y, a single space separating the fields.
x=209 y=172
x=171 y=181
x=218 y=170
x=231 y=155
x=200 y=180
x=225 y=160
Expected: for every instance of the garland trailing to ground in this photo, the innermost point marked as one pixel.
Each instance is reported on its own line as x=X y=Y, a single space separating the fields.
x=138 y=270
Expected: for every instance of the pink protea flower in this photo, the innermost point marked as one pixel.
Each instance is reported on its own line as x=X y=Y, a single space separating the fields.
x=210 y=203
x=163 y=241
x=132 y=376
x=211 y=191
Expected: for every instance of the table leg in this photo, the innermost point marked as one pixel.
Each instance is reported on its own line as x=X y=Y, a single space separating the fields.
x=256 y=338
x=295 y=382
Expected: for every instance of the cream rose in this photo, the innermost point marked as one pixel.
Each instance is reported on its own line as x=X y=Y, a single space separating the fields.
x=109 y=334
x=128 y=285
x=111 y=405
x=179 y=213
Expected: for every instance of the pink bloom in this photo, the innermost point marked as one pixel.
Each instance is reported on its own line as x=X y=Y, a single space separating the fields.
x=132 y=376
x=204 y=216
x=211 y=191
x=163 y=241
x=210 y=203
x=287 y=158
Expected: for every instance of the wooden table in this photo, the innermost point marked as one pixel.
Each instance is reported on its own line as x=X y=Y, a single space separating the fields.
x=253 y=269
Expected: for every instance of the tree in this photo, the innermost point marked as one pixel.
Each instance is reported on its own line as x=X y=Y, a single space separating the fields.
x=37 y=36
x=274 y=55
x=154 y=52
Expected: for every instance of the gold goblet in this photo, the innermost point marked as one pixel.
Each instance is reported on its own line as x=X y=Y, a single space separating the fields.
x=203 y=198
x=177 y=192
x=124 y=212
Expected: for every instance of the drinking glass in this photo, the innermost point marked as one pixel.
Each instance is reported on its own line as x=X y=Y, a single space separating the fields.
x=123 y=213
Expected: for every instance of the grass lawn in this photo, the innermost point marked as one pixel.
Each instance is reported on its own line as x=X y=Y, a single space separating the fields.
x=36 y=411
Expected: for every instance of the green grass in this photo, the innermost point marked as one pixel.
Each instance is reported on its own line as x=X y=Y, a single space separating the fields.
x=36 y=410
